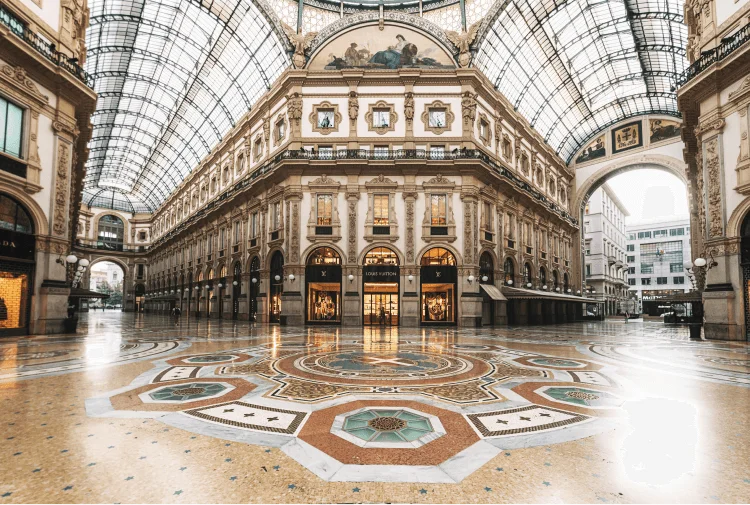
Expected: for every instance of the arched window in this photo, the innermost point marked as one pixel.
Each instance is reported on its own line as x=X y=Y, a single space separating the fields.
x=381 y=256
x=486 y=268
x=13 y=216
x=566 y=284
x=555 y=279
x=542 y=276
x=223 y=271
x=527 y=274
x=510 y=271
x=237 y=270
x=111 y=233
x=324 y=256
x=438 y=256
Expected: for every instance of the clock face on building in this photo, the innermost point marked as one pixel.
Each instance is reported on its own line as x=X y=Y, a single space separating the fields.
x=325 y=119
x=437 y=118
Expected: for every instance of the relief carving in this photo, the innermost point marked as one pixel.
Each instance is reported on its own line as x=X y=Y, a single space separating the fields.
x=61 y=189
x=352 y=230
x=713 y=172
x=468 y=109
x=294 y=253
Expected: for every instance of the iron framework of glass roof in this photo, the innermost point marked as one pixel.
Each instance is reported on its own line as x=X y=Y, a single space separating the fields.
x=173 y=77
x=574 y=67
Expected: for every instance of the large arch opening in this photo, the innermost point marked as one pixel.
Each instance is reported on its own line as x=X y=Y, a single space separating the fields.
x=438 y=277
x=635 y=236
x=107 y=277
x=380 y=286
x=17 y=248
x=323 y=286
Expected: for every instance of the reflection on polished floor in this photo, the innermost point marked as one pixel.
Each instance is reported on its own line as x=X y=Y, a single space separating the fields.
x=138 y=408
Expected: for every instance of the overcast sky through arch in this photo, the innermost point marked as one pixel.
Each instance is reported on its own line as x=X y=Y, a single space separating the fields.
x=650 y=194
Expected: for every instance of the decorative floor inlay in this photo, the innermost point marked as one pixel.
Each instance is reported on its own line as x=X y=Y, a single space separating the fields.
x=590 y=398
x=388 y=428
x=177 y=373
x=252 y=417
x=522 y=420
x=186 y=392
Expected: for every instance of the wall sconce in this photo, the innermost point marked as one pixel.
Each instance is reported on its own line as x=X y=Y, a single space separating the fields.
x=234 y=283
x=254 y=280
x=578 y=292
x=570 y=290
x=544 y=287
x=221 y=285
x=509 y=282
x=277 y=278
x=485 y=278
x=470 y=279
x=411 y=277
x=557 y=289
x=351 y=278
x=186 y=289
x=197 y=288
x=291 y=277
x=528 y=285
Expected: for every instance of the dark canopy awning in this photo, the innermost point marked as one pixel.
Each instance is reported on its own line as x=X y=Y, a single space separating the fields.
x=86 y=293
x=531 y=294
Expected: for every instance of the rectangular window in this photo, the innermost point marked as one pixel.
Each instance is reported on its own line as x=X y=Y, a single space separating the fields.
x=675 y=267
x=588 y=252
x=280 y=130
x=209 y=245
x=381 y=118
x=660 y=233
x=254 y=225
x=631 y=247
x=675 y=232
x=437 y=152
x=631 y=270
x=646 y=281
x=631 y=282
x=438 y=210
x=139 y=272
x=222 y=239
x=588 y=270
x=662 y=280
x=380 y=205
x=237 y=232
x=436 y=118
x=276 y=216
x=647 y=268
x=11 y=127
x=486 y=216
x=644 y=234
x=325 y=210
x=326 y=119
x=630 y=259
x=631 y=236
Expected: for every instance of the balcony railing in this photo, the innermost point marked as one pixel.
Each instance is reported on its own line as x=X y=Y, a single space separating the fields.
x=102 y=246
x=720 y=52
x=44 y=48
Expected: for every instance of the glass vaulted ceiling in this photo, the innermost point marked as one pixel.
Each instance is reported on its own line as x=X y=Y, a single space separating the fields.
x=173 y=77
x=573 y=67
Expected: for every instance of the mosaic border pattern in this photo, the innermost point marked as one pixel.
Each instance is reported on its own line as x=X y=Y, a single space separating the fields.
x=474 y=418
x=289 y=430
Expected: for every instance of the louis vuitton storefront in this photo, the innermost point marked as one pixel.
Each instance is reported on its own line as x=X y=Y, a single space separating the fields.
x=17 y=249
x=323 y=286
x=438 y=284
x=380 y=277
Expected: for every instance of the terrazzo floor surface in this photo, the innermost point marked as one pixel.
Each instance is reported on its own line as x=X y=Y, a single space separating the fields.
x=138 y=408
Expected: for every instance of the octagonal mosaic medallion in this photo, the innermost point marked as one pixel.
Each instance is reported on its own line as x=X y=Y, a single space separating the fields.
x=387 y=428
x=211 y=358
x=583 y=397
x=186 y=392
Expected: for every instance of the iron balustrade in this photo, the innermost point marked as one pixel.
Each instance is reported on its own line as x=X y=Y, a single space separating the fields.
x=101 y=246
x=711 y=56
x=44 y=47
x=364 y=154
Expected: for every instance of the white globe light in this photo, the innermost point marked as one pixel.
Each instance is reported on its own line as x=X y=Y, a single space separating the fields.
x=79 y=269
x=234 y=283
x=471 y=278
x=71 y=258
x=221 y=285
x=197 y=288
x=528 y=284
x=84 y=262
x=578 y=292
x=557 y=289
x=510 y=282
x=688 y=264
x=350 y=277
x=186 y=289
x=485 y=278
x=570 y=290
x=291 y=277
x=254 y=280
x=277 y=277
x=700 y=262
x=411 y=277
x=544 y=287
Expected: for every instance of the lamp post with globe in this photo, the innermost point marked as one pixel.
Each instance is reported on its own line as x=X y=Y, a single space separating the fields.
x=696 y=271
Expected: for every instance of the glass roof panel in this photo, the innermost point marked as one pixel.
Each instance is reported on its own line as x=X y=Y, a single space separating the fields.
x=574 y=67
x=173 y=77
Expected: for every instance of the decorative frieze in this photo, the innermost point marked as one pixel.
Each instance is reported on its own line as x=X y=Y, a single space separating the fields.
x=713 y=187
x=62 y=187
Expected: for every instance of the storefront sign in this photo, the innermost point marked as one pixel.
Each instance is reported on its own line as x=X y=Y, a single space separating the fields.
x=438 y=274
x=323 y=273
x=380 y=273
x=17 y=245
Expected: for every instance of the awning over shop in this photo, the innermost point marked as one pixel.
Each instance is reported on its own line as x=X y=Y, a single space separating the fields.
x=691 y=296
x=493 y=292
x=86 y=293
x=530 y=294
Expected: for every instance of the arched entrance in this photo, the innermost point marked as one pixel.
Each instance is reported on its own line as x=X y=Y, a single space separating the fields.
x=323 y=286
x=253 y=288
x=106 y=277
x=200 y=297
x=438 y=286
x=380 y=285
x=276 y=283
x=17 y=247
x=110 y=233
x=487 y=276
x=210 y=293
x=221 y=291
x=236 y=290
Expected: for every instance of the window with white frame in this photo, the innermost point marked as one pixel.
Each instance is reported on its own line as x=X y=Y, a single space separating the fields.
x=380 y=204
x=11 y=128
x=438 y=210
x=324 y=210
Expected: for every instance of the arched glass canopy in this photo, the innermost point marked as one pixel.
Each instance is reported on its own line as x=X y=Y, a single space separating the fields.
x=173 y=77
x=574 y=67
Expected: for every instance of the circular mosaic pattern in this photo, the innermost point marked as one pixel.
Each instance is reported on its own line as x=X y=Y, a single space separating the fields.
x=582 y=397
x=211 y=358
x=390 y=426
x=188 y=392
x=399 y=365
x=558 y=363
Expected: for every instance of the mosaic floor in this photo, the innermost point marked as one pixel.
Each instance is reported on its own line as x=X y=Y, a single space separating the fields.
x=143 y=409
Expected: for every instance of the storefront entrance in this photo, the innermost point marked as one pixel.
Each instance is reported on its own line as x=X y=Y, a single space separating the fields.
x=438 y=276
x=17 y=245
x=253 y=288
x=380 y=277
x=277 y=287
x=323 y=286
